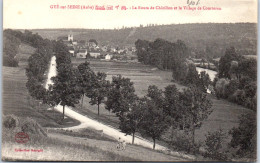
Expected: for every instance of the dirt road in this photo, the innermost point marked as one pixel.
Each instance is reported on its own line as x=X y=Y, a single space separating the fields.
x=90 y=123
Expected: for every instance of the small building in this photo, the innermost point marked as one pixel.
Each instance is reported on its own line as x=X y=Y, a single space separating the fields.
x=94 y=54
x=108 y=57
x=72 y=51
x=82 y=53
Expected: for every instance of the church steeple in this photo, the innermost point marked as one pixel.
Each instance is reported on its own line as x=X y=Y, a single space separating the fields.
x=70 y=36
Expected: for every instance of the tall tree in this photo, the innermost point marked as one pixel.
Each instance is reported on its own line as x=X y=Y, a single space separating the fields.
x=196 y=109
x=244 y=136
x=86 y=80
x=99 y=89
x=155 y=121
x=121 y=95
x=204 y=81
x=131 y=121
x=225 y=62
x=172 y=106
x=65 y=90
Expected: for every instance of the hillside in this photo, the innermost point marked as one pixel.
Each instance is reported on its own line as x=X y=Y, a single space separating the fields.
x=89 y=145
x=215 y=37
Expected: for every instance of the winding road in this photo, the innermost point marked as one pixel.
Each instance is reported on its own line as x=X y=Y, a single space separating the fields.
x=86 y=122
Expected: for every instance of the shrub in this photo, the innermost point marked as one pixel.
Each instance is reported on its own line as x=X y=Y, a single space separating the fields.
x=239 y=96
x=220 y=88
x=10 y=121
x=244 y=136
x=30 y=126
x=181 y=141
x=214 y=145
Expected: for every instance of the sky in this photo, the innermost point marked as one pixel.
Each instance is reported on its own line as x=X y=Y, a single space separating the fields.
x=35 y=14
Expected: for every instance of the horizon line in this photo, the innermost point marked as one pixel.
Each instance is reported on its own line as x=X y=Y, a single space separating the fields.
x=125 y=27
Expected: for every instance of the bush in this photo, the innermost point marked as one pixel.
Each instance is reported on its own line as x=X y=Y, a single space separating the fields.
x=220 y=88
x=30 y=126
x=214 y=145
x=10 y=121
x=239 y=96
x=244 y=136
x=181 y=141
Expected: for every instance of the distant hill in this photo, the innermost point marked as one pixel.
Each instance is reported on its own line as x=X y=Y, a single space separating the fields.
x=209 y=38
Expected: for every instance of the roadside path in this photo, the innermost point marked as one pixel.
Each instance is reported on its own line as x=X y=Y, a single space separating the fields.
x=90 y=123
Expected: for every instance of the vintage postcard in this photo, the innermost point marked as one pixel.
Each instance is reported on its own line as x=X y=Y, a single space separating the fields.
x=129 y=80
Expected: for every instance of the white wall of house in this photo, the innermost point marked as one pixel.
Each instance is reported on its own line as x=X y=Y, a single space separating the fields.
x=95 y=55
x=81 y=55
x=107 y=57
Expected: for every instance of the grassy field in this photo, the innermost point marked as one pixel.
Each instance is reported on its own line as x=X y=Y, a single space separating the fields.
x=16 y=99
x=225 y=114
x=59 y=146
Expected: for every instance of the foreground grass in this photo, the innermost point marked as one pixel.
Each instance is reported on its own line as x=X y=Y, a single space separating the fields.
x=55 y=149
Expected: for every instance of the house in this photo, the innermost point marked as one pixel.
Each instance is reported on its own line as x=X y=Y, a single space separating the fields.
x=82 y=53
x=108 y=57
x=94 y=54
x=104 y=48
x=71 y=51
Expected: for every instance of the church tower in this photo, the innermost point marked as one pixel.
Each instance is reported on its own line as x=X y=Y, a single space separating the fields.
x=70 y=37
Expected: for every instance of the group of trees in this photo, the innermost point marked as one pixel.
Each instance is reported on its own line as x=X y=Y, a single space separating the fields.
x=172 y=56
x=13 y=38
x=237 y=82
x=10 y=48
x=161 y=53
x=237 y=79
x=159 y=110
x=37 y=64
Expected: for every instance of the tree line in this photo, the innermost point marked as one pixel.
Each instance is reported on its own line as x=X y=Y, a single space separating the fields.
x=10 y=49
x=236 y=80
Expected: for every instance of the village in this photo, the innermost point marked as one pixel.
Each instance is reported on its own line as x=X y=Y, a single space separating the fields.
x=92 y=50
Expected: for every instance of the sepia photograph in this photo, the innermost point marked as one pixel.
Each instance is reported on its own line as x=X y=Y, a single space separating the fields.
x=129 y=80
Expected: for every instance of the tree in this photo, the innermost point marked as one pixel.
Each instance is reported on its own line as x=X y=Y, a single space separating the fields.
x=225 y=62
x=171 y=106
x=94 y=41
x=248 y=67
x=155 y=122
x=214 y=143
x=65 y=90
x=179 y=70
x=192 y=76
x=204 y=81
x=220 y=87
x=86 y=80
x=244 y=136
x=99 y=90
x=121 y=95
x=131 y=121
x=197 y=107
